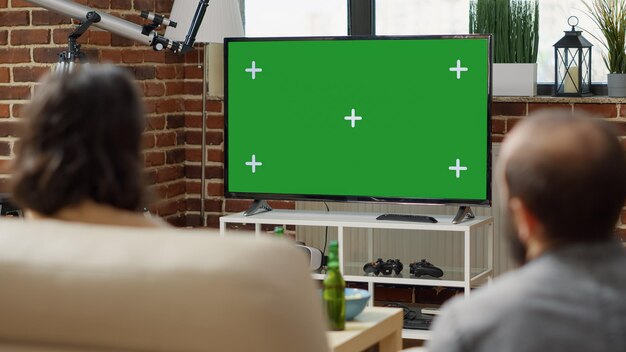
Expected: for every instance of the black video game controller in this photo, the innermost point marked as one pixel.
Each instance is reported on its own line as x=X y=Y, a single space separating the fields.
x=386 y=268
x=425 y=268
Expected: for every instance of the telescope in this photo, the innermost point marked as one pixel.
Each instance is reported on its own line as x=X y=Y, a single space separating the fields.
x=145 y=34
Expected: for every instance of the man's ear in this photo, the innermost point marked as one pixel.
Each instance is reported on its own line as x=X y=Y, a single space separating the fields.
x=525 y=220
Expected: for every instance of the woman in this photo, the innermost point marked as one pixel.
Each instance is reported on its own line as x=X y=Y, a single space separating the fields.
x=79 y=158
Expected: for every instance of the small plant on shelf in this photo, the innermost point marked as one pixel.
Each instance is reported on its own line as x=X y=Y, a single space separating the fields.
x=610 y=17
x=514 y=25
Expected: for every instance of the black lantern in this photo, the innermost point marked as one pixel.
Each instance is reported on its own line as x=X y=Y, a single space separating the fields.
x=572 y=63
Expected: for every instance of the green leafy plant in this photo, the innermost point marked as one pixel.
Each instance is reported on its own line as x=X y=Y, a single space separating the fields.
x=514 y=25
x=610 y=17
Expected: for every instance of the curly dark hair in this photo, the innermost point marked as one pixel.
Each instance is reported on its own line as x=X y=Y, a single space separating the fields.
x=81 y=140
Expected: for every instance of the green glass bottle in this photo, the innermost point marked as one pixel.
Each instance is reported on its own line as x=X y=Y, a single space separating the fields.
x=334 y=290
x=279 y=231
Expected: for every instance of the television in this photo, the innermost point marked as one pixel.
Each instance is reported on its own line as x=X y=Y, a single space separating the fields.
x=402 y=119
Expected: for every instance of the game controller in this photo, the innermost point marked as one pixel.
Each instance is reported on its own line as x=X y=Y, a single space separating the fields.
x=425 y=268
x=382 y=267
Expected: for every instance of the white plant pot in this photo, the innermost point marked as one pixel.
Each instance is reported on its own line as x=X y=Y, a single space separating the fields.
x=515 y=79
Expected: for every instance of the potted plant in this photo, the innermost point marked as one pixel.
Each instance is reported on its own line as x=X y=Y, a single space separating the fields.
x=610 y=17
x=514 y=25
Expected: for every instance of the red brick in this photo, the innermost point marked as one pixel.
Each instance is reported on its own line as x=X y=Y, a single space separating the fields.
x=193 y=121
x=132 y=56
x=45 y=17
x=511 y=122
x=167 y=105
x=15 y=92
x=3 y=3
x=97 y=37
x=282 y=204
x=154 y=56
x=5 y=165
x=534 y=107
x=111 y=56
x=4 y=111
x=5 y=148
x=169 y=174
x=8 y=128
x=193 y=88
x=193 y=105
x=236 y=205
x=155 y=123
x=116 y=40
x=175 y=156
x=14 y=18
x=154 y=159
x=215 y=122
x=498 y=126
x=4 y=37
x=175 y=189
x=167 y=207
x=167 y=72
x=166 y=139
x=154 y=89
x=5 y=77
x=191 y=154
x=29 y=73
x=497 y=138
x=212 y=137
x=20 y=3
x=122 y=4
x=30 y=36
x=175 y=121
x=163 y=6
x=597 y=110
x=17 y=109
x=214 y=105
x=4 y=185
x=14 y=55
x=211 y=172
x=175 y=88
x=215 y=189
x=508 y=109
x=144 y=72
x=101 y=4
x=46 y=55
x=192 y=187
x=148 y=141
x=210 y=205
x=193 y=71
x=143 y=5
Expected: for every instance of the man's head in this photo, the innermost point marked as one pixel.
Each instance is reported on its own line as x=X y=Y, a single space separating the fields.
x=564 y=181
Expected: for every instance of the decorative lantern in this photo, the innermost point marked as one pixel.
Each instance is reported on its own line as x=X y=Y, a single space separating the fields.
x=572 y=63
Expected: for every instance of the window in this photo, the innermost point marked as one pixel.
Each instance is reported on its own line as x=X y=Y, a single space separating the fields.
x=406 y=17
x=281 y=18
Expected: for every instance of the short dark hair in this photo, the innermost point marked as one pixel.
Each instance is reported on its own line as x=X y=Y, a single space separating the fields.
x=81 y=140
x=570 y=171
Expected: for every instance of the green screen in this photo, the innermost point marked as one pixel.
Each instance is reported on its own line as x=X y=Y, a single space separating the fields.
x=382 y=118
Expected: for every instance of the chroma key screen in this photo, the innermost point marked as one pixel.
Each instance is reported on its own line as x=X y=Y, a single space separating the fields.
x=381 y=118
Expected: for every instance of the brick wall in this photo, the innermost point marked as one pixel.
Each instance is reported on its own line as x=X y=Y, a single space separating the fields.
x=507 y=113
x=30 y=41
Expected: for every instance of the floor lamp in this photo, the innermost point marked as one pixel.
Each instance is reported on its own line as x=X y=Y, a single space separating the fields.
x=222 y=20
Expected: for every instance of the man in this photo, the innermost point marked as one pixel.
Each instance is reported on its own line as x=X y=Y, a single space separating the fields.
x=563 y=181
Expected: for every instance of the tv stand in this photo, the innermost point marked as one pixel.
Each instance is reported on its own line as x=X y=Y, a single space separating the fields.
x=258 y=206
x=465 y=212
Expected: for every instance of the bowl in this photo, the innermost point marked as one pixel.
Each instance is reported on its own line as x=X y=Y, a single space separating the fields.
x=356 y=300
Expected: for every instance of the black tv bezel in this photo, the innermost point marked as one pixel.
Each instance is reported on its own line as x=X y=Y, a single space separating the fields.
x=347 y=198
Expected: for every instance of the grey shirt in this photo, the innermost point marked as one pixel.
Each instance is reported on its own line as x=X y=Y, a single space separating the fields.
x=570 y=299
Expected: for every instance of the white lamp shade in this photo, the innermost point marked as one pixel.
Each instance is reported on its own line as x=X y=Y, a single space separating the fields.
x=221 y=20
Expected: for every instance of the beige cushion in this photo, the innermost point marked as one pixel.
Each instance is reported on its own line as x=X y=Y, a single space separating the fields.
x=99 y=287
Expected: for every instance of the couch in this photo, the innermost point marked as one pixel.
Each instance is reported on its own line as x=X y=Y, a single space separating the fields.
x=76 y=287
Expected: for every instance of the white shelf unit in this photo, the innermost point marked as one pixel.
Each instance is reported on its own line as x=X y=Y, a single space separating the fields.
x=466 y=279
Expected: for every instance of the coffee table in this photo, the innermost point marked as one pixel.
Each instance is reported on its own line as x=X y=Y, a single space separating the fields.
x=374 y=325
